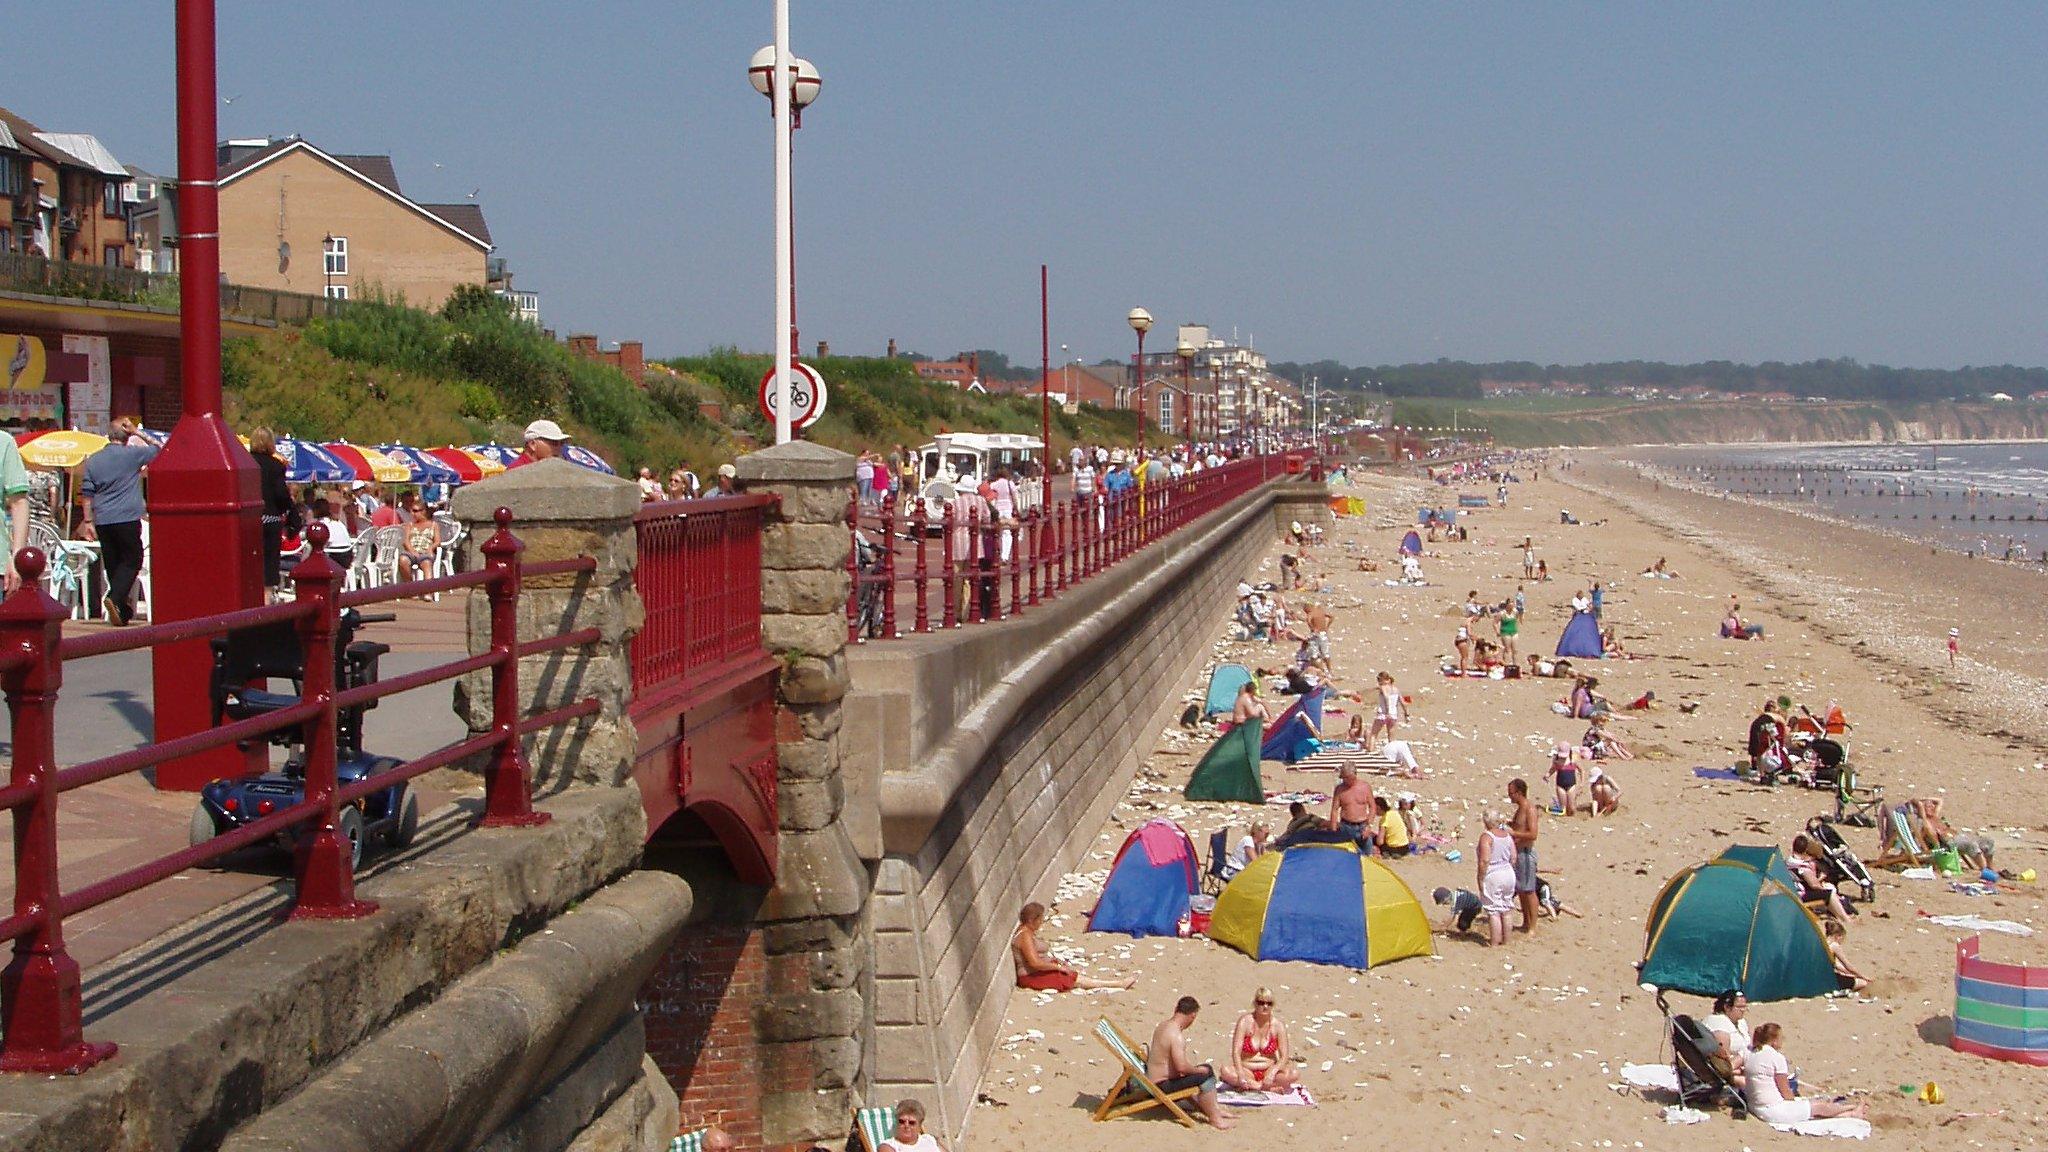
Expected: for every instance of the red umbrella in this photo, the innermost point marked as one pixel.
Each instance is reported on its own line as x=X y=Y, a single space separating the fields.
x=468 y=465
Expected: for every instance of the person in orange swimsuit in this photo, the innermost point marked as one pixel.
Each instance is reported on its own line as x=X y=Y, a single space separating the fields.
x=1260 y=1057
x=1040 y=973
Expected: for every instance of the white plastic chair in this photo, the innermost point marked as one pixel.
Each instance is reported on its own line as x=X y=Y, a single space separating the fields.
x=444 y=553
x=385 y=545
x=361 y=573
x=64 y=573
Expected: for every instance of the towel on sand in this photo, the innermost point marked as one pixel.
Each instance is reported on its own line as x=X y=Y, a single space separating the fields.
x=1650 y=1076
x=1848 y=1126
x=1296 y=1096
x=1717 y=773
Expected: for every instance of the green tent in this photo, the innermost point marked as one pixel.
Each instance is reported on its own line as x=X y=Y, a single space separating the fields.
x=1736 y=922
x=1230 y=770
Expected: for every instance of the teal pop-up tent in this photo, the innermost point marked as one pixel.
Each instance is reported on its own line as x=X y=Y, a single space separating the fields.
x=1736 y=922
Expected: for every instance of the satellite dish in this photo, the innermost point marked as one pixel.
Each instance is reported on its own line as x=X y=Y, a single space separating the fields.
x=284 y=256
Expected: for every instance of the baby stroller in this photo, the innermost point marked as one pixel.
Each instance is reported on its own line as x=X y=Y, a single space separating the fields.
x=1700 y=1081
x=1840 y=864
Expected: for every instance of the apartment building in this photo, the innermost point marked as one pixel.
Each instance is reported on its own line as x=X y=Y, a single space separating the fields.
x=62 y=196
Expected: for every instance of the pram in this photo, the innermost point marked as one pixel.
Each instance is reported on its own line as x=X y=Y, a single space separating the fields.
x=1840 y=864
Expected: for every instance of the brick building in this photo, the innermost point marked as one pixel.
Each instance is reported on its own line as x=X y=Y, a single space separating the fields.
x=299 y=219
x=627 y=357
x=62 y=195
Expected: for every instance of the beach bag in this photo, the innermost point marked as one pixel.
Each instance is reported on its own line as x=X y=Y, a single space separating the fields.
x=1946 y=861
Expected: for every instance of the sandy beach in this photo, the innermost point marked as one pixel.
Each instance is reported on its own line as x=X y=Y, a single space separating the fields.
x=1525 y=1044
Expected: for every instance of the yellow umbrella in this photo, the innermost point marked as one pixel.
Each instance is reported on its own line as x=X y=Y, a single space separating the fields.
x=62 y=449
x=370 y=464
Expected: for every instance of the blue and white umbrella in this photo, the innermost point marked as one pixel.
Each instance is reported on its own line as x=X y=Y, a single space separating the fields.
x=573 y=453
x=498 y=452
x=425 y=469
x=308 y=463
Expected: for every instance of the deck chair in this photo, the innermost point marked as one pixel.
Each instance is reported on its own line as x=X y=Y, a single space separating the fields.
x=1134 y=1091
x=689 y=1141
x=871 y=1126
x=1855 y=804
x=1700 y=1080
x=1899 y=847
x=1213 y=878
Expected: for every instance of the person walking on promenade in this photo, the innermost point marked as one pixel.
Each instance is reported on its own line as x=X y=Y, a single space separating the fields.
x=277 y=505
x=1523 y=829
x=113 y=515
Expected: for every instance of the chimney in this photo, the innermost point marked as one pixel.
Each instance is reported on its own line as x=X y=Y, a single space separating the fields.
x=583 y=344
x=824 y=349
x=631 y=362
x=892 y=347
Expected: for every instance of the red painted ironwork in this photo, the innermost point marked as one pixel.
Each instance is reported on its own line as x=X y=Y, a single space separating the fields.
x=949 y=569
x=889 y=569
x=40 y=1000
x=853 y=575
x=919 y=525
x=699 y=579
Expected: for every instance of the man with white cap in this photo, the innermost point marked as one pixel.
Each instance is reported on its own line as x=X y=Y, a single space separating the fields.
x=544 y=440
x=728 y=482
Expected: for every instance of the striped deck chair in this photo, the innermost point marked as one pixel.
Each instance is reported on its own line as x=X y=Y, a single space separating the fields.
x=1134 y=1091
x=1901 y=847
x=689 y=1141
x=874 y=1125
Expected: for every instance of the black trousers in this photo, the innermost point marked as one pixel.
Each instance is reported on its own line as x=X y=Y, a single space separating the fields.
x=121 y=552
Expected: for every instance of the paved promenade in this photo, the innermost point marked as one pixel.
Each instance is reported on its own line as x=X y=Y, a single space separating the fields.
x=106 y=707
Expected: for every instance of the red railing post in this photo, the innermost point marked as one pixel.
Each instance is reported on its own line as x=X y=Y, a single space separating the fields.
x=975 y=552
x=40 y=999
x=919 y=523
x=325 y=860
x=889 y=569
x=853 y=571
x=949 y=569
x=1014 y=538
x=1037 y=525
x=508 y=794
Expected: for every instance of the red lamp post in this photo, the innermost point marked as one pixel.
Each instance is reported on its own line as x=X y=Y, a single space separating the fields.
x=204 y=506
x=1141 y=323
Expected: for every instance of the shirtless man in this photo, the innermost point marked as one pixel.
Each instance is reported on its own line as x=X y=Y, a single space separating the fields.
x=1249 y=707
x=1319 y=621
x=1168 y=1066
x=1352 y=811
x=1523 y=829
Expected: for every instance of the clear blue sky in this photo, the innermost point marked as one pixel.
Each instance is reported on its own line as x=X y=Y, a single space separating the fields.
x=1556 y=182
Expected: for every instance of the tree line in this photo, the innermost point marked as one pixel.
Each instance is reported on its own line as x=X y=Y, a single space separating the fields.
x=1838 y=379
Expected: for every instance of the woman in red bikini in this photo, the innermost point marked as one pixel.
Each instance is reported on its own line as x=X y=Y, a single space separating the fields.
x=1040 y=974
x=1260 y=1058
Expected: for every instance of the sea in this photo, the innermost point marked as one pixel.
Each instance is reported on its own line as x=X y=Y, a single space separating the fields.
x=1983 y=499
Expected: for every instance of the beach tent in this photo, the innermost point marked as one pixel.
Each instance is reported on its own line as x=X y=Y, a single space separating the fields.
x=1290 y=738
x=1323 y=903
x=1230 y=769
x=1736 y=922
x=1411 y=544
x=1580 y=639
x=1224 y=683
x=1149 y=884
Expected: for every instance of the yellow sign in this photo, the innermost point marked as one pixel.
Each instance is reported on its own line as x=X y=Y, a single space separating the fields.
x=25 y=366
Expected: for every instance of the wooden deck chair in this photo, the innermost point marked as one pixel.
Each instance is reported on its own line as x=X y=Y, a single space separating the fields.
x=689 y=1141
x=1134 y=1091
x=1901 y=847
x=874 y=1125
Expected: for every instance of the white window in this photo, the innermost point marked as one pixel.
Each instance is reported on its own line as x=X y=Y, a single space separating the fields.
x=335 y=255
x=337 y=291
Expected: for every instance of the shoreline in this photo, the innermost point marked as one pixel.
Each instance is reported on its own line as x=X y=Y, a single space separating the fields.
x=1526 y=1043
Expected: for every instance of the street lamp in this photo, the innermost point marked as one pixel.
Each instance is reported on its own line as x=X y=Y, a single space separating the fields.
x=1186 y=352
x=327 y=263
x=1141 y=323
x=788 y=101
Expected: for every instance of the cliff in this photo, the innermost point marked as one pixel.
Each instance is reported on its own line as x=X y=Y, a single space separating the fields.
x=1740 y=422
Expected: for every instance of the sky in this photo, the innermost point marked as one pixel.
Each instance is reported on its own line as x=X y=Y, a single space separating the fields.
x=1370 y=183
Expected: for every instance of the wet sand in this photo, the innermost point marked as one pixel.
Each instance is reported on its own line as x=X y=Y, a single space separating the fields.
x=1525 y=1044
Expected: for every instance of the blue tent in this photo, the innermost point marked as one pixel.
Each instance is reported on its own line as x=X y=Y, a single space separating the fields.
x=1149 y=884
x=1411 y=544
x=1224 y=684
x=1294 y=733
x=1581 y=638
x=1736 y=922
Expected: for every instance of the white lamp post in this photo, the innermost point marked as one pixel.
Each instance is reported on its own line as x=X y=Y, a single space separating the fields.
x=788 y=99
x=1141 y=323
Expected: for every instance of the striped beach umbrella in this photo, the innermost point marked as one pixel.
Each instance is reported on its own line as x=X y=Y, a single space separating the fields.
x=578 y=454
x=370 y=464
x=502 y=455
x=1323 y=903
x=426 y=468
x=467 y=466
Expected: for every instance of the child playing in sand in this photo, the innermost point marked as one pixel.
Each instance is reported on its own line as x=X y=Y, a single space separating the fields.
x=1602 y=787
x=1391 y=712
x=1955 y=636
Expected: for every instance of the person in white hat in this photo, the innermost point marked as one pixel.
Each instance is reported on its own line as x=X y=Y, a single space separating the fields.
x=1955 y=637
x=728 y=481
x=544 y=440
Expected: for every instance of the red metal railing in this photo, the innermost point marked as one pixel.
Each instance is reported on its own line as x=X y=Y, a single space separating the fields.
x=959 y=567
x=40 y=1028
x=699 y=578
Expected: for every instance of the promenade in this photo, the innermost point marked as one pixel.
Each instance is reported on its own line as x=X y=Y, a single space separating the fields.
x=121 y=823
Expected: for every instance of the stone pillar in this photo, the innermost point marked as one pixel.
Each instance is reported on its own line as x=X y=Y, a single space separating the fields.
x=813 y=1024
x=561 y=511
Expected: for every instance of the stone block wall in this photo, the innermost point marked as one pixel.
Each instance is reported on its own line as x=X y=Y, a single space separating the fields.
x=943 y=910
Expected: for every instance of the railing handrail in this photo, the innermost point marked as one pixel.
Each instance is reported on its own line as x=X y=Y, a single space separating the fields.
x=699 y=579
x=1050 y=548
x=666 y=509
x=39 y=992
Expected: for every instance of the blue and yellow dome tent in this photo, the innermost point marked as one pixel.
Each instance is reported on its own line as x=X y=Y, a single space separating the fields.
x=1323 y=903
x=1737 y=922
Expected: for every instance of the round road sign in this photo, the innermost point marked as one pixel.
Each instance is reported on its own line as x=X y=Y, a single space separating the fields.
x=806 y=396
